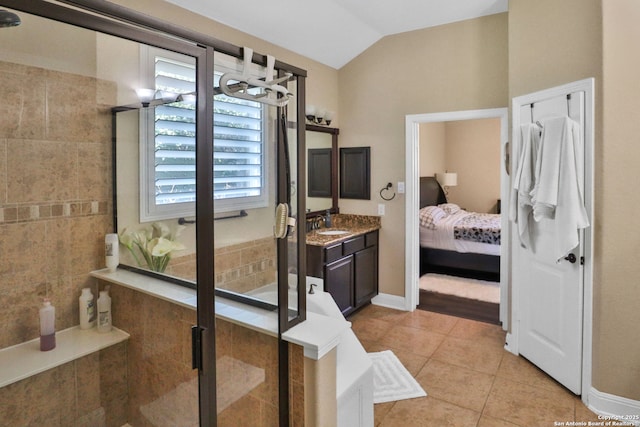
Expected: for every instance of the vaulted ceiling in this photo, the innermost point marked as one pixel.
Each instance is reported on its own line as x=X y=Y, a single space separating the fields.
x=334 y=32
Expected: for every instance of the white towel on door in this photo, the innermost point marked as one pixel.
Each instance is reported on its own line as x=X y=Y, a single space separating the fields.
x=523 y=182
x=557 y=193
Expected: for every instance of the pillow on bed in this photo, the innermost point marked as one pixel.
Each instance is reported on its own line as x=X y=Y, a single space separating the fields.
x=449 y=208
x=430 y=216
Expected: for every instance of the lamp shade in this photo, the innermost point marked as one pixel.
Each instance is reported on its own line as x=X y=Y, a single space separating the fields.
x=447 y=179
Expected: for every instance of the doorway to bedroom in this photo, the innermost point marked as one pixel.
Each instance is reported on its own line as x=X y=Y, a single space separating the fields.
x=456 y=197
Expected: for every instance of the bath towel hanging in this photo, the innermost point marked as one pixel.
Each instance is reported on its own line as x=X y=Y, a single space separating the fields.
x=557 y=195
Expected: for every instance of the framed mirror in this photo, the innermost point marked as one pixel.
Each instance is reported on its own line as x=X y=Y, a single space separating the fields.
x=322 y=169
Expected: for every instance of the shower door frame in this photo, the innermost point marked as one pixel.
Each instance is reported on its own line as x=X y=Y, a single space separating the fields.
x=131 y=25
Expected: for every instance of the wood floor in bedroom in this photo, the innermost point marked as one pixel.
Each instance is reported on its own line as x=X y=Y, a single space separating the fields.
x=470 y=380
x=460 y=307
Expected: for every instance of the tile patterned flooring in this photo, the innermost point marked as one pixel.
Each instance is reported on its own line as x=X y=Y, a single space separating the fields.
x=470 y=380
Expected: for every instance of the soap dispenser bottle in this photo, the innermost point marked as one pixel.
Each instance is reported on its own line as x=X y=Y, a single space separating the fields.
x=104 y=311
x=47 y=326
x=327 y=219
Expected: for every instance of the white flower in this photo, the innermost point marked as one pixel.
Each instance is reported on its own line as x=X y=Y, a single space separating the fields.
x=155 y=243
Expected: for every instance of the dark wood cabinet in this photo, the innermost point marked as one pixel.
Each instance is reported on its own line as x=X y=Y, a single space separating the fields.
x=355 y=173
x=365 y=275
x=338 y=281
x=349 y=270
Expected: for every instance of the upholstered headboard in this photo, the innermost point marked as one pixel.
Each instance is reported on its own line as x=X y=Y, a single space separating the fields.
x=431 y=193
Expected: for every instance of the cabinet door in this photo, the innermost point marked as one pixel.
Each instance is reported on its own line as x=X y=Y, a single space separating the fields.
x=366 y=275
x=339 y=282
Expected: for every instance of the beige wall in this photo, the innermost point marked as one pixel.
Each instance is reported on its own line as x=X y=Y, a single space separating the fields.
x=473 y=152
x=433 y=148
x=583 y=39
x=617 y=296
x=460 y=66
x=470 y=148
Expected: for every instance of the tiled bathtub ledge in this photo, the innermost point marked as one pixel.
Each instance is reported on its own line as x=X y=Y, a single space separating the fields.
x=318 y=334
x=25 y=360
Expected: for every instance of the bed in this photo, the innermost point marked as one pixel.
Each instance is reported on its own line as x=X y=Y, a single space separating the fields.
x=454 y=241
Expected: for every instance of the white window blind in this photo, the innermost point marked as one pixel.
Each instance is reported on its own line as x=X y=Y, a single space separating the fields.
x=239 y=154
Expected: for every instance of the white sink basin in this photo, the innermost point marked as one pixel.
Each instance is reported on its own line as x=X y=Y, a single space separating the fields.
x=332 y=232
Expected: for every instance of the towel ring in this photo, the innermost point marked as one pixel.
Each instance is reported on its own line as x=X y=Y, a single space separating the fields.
x=389 y=185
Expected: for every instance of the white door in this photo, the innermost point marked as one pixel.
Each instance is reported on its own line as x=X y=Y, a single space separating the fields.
x=550 y=294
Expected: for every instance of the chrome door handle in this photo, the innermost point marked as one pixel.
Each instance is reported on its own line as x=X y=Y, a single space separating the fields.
x=571 y=258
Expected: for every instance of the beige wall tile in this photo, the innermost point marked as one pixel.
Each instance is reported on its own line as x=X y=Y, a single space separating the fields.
x=39 y=170
x=94 y=171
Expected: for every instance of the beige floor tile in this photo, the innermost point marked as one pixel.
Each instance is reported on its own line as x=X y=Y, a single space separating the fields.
x=527 y=405
x=429 y=412
x=583 y=413
x=413 y=362
x=469 y=354
x=380 y=410
x=479 y=332
x=414 y=340
x=434 y=322
x=370 y=329
x=379 y=312
x=486 y=421
x=460 y=386
x=519 y=369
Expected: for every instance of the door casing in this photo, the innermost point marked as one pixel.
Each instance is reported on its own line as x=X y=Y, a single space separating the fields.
x=412 y=241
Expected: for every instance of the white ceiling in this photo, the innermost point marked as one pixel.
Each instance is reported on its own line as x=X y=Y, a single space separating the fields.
x=334 y=32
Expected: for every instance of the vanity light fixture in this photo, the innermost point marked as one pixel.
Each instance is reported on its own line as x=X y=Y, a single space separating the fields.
x=146 y=95
x=9 y=19
x=318 y=116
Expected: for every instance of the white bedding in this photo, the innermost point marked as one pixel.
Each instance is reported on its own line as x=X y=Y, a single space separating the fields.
x=442 y=237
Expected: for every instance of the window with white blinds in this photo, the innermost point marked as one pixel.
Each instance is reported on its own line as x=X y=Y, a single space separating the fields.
x=169 y=160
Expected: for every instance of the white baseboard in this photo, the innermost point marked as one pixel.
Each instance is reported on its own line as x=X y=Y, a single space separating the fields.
x=614 y=408
x=390 y=301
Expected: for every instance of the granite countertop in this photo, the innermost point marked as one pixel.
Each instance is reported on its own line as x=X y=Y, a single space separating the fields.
x=355 y=225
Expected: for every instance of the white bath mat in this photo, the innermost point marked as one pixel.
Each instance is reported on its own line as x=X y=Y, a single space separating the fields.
x=391 y=380
x=481 y=290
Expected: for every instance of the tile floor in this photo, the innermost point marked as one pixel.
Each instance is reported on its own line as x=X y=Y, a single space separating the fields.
x=469 y=378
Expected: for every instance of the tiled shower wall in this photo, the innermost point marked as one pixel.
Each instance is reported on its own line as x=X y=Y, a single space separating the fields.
x=55 y=208
x=240 y=268
x=55 y=193
x=163 y=389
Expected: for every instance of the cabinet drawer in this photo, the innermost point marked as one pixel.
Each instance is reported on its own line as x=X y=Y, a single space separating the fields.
x=332 y=253
x=371 y=239
x=353 y=245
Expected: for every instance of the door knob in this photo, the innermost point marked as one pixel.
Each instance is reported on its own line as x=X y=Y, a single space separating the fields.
x=571 y=258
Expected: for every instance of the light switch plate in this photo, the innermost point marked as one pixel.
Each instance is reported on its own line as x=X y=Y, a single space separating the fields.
x=381 y=209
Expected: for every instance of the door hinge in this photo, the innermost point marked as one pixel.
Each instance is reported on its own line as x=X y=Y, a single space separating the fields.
x=196 y=347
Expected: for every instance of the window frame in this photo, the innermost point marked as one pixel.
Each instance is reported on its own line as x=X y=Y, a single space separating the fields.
x=149 y=210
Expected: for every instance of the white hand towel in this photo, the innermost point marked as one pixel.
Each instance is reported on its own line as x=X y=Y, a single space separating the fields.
x=523 y=182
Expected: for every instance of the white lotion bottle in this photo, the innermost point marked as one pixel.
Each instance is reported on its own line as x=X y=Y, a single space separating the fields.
x=47 y=326
x=104 y=312
x=87 y=309
x=111 y=251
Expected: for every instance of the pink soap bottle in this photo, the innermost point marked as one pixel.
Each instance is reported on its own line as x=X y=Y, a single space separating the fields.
x=47 y=326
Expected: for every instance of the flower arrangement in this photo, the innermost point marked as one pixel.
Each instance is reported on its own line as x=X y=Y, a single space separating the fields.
x=155 y=244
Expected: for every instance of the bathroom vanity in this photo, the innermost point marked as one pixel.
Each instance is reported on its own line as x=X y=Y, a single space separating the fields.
x=345 y=256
